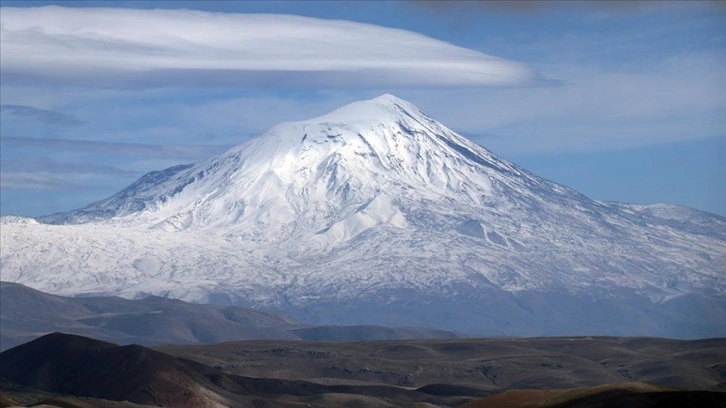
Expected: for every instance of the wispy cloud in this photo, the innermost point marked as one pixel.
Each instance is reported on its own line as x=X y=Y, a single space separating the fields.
x=532 y=6
x=41 y=115
x=51 y=166
x=33 y=181
x=44 y=164
x=599 y=107
x=115 y=148
x=154 y=48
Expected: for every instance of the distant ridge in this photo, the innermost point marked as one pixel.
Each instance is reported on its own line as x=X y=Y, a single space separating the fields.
x=26 y=314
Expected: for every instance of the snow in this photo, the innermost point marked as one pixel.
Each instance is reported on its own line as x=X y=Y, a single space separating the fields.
x=369 y=200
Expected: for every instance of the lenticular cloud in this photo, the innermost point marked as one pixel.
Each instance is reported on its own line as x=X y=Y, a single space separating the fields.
x=149 y=48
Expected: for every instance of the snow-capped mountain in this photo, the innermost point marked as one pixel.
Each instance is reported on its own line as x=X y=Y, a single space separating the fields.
x=376 y=213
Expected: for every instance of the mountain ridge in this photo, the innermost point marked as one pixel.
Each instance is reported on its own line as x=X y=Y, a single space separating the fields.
x=26 y=314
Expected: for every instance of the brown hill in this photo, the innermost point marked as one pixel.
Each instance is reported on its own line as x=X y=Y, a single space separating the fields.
x=75 y=365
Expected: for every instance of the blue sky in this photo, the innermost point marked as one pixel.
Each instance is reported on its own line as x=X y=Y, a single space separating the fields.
x=622 y=101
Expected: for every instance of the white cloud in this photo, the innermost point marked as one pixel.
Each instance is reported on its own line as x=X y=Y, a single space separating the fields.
x=151 y=48
x=598 y=108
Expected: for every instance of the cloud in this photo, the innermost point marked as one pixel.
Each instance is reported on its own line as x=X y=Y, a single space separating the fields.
x=133 y=48
x=115 y=148
x=44 y=116
x=33 y=181
x=598 y=109
x=531 y=6
x=43 y=173
x=35 y=165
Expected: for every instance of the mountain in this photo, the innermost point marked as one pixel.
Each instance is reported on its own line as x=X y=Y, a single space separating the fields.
x=26 y=314
x=377 y=214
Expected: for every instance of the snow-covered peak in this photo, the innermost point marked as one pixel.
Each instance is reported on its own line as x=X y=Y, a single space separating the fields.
x=386 y=132
x=378 y=155
x=367 y=118
x=383 y=109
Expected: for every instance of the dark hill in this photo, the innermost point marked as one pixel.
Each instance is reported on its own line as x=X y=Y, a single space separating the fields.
x=673 y=399
x=631 y=395
x=75 y=365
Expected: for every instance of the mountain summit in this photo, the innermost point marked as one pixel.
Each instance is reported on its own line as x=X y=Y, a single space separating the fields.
x=376 y=213
x=315 y=174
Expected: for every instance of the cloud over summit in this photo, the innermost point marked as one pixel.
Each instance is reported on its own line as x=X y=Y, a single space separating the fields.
x=155 y=48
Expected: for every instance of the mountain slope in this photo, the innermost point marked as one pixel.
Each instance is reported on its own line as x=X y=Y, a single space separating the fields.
x=376 y=213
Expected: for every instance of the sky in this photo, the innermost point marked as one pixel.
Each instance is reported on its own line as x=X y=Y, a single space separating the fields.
x=623 y=101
